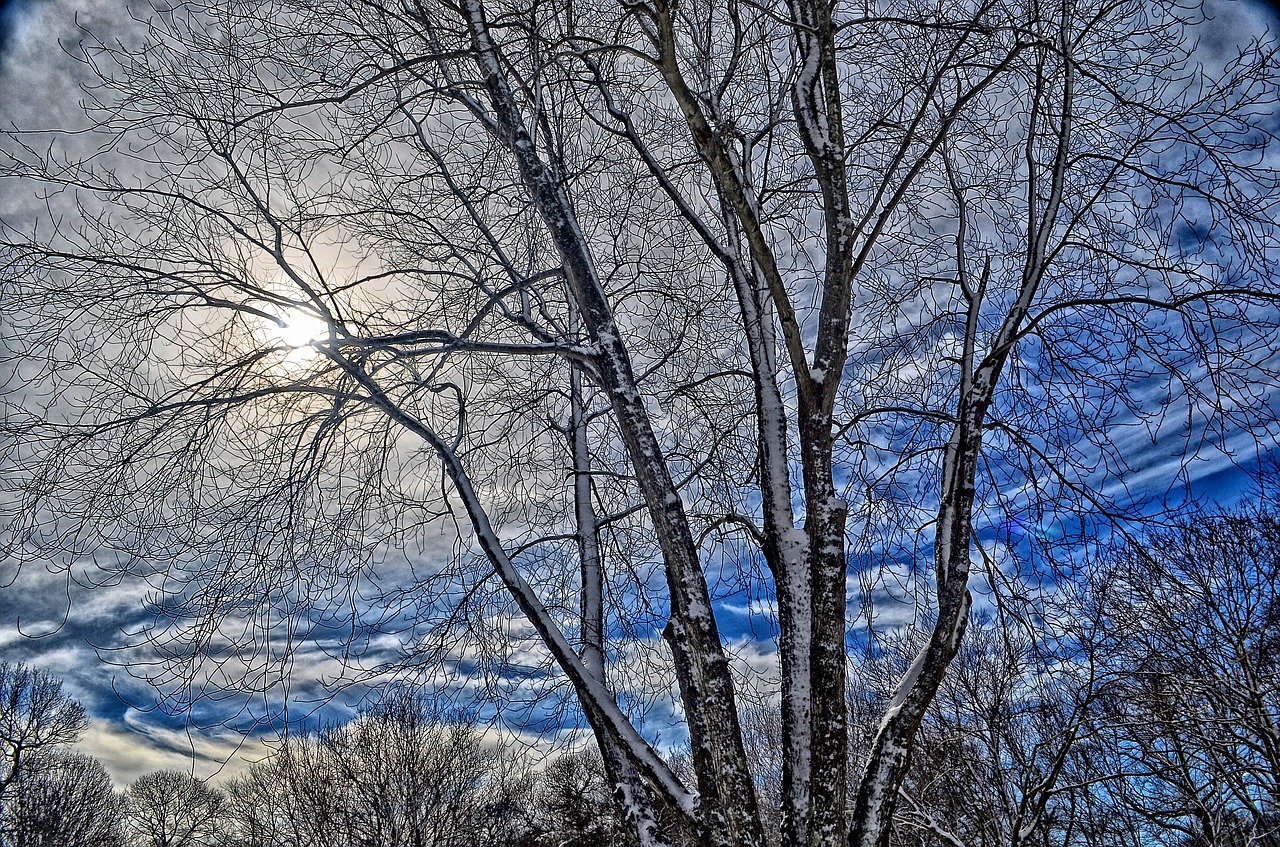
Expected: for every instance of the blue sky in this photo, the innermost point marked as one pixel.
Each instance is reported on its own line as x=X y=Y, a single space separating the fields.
x=56 y=620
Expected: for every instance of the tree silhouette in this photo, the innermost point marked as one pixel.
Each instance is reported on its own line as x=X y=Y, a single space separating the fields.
x=36 y=716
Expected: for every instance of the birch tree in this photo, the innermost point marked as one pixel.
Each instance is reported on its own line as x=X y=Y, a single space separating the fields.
x=653 y=302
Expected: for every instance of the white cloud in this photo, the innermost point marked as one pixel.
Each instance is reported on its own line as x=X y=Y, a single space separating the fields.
x=135 y=747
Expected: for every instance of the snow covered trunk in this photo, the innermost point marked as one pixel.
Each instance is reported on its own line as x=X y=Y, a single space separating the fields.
x=890 y=754
x=827 y=657
x=808 y=564
x=630 y=792
x=979 y=376
x=726 y=805
x=817 y=106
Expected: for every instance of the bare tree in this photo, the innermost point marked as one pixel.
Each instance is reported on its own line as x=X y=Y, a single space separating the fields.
x=570 y=804
x=1192 y=624
x=64 y=800
x=1002 y=758
x=400 y=775
x=36 y=715
x=660 y=302
x=173 y=809
x=263 y=811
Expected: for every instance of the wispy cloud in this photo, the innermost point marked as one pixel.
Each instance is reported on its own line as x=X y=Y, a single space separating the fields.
x=137 y=746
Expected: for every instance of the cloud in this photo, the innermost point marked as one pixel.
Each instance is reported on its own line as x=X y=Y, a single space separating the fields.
x=15 y=22
x=39 y=81
x=136 y=746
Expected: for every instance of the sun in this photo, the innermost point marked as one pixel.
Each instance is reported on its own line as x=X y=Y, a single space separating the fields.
x=293 y=335
x=299 y=329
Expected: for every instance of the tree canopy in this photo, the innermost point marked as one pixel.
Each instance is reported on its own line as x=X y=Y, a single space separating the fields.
x=470 y=336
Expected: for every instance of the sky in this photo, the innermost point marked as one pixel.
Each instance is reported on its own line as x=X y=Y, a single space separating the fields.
x=45 y=621
x=72 y=631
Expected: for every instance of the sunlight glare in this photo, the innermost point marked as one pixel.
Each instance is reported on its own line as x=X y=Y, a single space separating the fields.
x=300 y=330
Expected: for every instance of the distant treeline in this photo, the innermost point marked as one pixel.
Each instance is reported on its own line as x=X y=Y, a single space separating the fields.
x=1132 y=701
